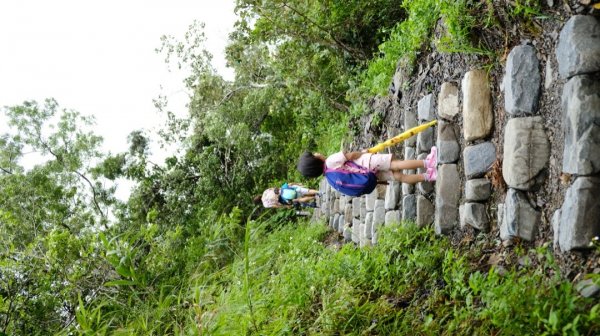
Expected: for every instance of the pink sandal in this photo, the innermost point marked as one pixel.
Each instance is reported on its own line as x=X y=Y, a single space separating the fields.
x=431 y=159
x=430 y=175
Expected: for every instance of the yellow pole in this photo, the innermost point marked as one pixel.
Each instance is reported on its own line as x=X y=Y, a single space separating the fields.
x=401 y=137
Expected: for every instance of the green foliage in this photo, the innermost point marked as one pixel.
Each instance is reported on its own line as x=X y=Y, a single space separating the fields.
x=412 y=282
x=460 y=20
x=405 y=40
x=526 y=9
x=189 y=254
x=414 y=34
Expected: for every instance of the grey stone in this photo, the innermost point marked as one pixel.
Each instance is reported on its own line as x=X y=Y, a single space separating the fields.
x=448 y=106
x=378 y=216
x=447 y=142
x=447 y=195
x=348 y=213
x=520 y=218
x=363 y=207
x=324 y=188
x=477 y=105
x=580 y=216
x=325 y=209
x=478 y=190
x=423 y=187
x=409 y=154
x=475 y=215
x=356 y=230
x=410 y=121
x=356 y=207
x=425 y=140
x=587 y=288
x=331 y=220
x=343 y=201
x=556 y=227
x=425 y=211
x=478 y=159
x=341 y=223
x=409 y=208
x=376 y=224
x=426 y=108
x=361 y=234
x=370 y=200
x=392 y=195
x=522 y=81
x=347 y=233
x=526 y=152
x=336 y=206
x=408 y=189
x=336 y=222
x=391 y=217
x=581 y=121
x=578 y=49
x=332 y=206
x=368 y=233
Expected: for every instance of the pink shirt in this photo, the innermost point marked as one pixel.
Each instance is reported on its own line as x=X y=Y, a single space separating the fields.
x=336 y=160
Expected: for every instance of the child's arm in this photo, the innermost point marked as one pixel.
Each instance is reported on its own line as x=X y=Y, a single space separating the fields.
x=350 y=156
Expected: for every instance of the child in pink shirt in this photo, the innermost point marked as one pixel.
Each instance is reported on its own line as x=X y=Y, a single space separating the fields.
x=386 y=167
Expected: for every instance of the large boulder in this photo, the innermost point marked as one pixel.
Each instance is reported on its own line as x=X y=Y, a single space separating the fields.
x=409 y=207
x=478 y=190
x=447 y=196
x=425 y=211
x=479 y=159
x=520 y=218
x=580 y=214
x=578 y=50
x=477 y=105
x=475 y=215
x=522 y=81
x=526 y=152
x=581 y=121
x=426 y=108
x=447 y=142
x=448 y=106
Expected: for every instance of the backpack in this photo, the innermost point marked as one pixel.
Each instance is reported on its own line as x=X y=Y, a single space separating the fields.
x=351 y=179
x=287 y=194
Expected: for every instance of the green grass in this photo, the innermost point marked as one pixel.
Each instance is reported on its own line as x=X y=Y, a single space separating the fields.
x=288 y=282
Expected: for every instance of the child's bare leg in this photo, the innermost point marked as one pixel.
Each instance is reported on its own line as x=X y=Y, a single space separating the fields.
x=410 y=179
x=312 y=192
x=305 y=199
x=406 y=164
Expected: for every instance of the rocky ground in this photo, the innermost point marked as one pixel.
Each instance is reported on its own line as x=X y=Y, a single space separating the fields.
x=435 y=67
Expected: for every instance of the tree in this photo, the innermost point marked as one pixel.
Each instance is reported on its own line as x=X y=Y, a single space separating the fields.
x=48 y=216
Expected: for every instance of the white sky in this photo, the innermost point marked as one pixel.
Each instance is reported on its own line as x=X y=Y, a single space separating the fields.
x=98 y=57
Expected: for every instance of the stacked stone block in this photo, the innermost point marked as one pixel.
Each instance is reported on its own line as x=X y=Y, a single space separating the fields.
x=410 y=153
x=479 y=154
x=578 y=55
x=526 y=145
x=418 y=207
x=445 y=213
x=357 y=219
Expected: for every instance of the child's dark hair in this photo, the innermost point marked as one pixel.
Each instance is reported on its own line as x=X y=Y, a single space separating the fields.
x=309 y=165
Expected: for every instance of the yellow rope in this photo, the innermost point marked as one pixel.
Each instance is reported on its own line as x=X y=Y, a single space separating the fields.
x=401 y=137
